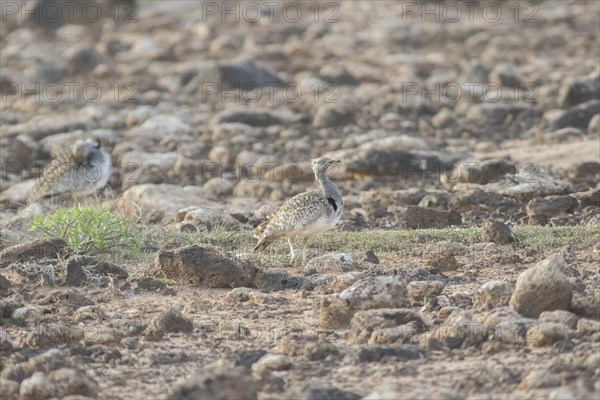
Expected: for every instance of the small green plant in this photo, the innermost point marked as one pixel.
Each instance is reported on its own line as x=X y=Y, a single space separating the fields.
x=91 y=229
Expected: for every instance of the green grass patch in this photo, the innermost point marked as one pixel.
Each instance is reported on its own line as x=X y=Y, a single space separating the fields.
x=552 y=237
x=91 y=229
x=385 y=242
x=382 y=242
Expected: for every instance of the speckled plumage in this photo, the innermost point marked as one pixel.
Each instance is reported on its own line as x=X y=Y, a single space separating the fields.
x=305 y=214
x=81 y=169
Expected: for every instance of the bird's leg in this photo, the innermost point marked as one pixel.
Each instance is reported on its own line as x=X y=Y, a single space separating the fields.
x=292 y=254
x=304 y=243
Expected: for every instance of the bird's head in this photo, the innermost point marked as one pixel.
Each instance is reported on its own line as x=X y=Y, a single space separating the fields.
x=321 y=164
x=83 y=149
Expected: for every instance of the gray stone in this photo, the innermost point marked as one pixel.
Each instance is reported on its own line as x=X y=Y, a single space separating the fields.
x=444 y=119
x=430 y=391
x=89 y=313
x=418 y=290
x=29 y=312
x=337 y=75
x=435 y=200
x=496 y=232
x=23 y=153
x=210 y=219
x=46 y=72
x=153 y=285
x=278 y=279
x=243 y=295
x=333 y=115
x=7 y=307
x=393 y=353
x=574 y=91
x=4 y=284
x=248 y=116
x=504 y=325
x=478 y=172
x=539 y=378
x=157 y=202
x=169 y=321
x=219 y=187
x=378 y=201
x=383 y=326
x=492 y=294
x=586 y=306
x=442 y=256
x=564 y=135
x=80 y=270
x=330 y=263
x=308 y=391
x=593 y=128
x=196 y=80
x=53 y=335
x=415 y=217
x=32 y=251
x=479 y=199
x=246 y=358
x=6 y=342
x=404 y=164
x=475 y=71
x=205 y=265
x=248 y=75
x=578 y=116
x=50 y=360
x=45 y=125
x=58 y=384
x=272 y=362
x=55 y=143
x=18 y=194
x=548 y=333
x=457 y=331
x=589 y=327
x=543 y=287
x=226 y=131
x=157 y=127
x=227 y=44
x=587 y=170
x=9 y=389
x=505 y=75
x=551 y=206
x=560 y=316
x=70 y=297
x=486 y=114
x=142 y=167
x=336 y=311
x=216 y=384
x=82 y=58
x=530 y=181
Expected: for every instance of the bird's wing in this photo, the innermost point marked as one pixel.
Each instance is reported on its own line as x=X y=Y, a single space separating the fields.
x=297 y=212
x=51 y=174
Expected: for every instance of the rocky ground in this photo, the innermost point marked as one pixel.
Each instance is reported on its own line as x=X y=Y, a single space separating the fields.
x=465 y=264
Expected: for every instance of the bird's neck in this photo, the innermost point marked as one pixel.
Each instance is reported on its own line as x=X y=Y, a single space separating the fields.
x=97 y=157
x=328 y=187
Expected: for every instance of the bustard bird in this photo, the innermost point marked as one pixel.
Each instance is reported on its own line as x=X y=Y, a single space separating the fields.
x=305 y=214
x=80 y=169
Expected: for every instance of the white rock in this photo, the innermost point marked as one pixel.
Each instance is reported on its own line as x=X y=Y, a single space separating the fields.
x=330 y=263
x=492 y=294
x=159 y=126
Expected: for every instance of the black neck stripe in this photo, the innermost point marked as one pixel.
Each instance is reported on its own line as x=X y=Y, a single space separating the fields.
x=333 y=203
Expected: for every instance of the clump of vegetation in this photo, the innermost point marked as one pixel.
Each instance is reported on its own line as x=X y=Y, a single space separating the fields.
x=91 y=229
